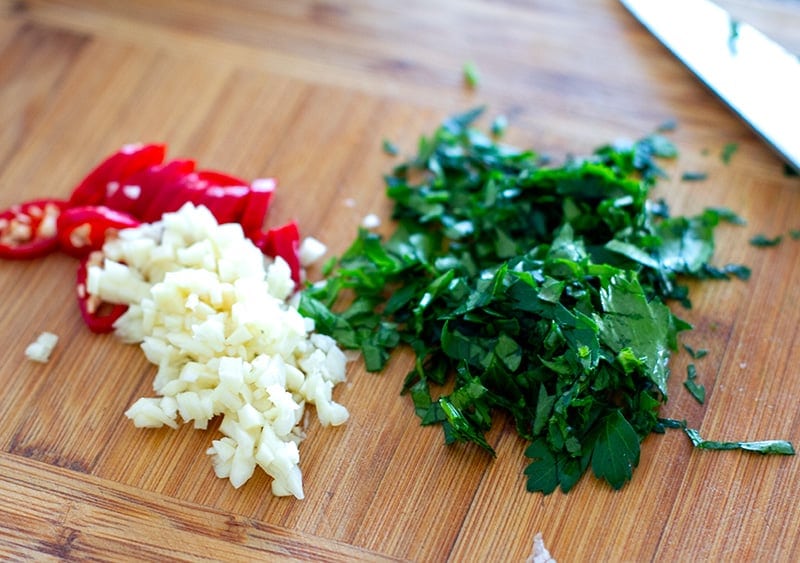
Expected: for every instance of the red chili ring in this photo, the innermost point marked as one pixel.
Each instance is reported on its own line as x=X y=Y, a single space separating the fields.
x=29 y=230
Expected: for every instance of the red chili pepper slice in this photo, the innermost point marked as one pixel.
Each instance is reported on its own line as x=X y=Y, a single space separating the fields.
x=189 y=189
x=226 y=203
x=114 y=170
x=166 y=185
x=217 y=178
x=123 y=197
x=29 y=230
x=158 y=184
x=283 y=241
x=84 y=229
x=97 y=315
x=257 y=205
x=223 y=194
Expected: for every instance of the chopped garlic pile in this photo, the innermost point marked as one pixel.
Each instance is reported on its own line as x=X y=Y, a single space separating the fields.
x=213 y=314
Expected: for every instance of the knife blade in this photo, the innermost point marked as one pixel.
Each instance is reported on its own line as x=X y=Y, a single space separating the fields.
x=755 y=76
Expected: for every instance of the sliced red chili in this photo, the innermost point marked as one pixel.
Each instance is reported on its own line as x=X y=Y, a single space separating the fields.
x=226 y=203
x=84 y=229
x=188 y=190
x=158 y=185
x=217 y=178
x=124 y=197
x=223 y=194
x=112 y=172
x=98 y=315
x=257 y=205
x=179 y=188
x=29 y=229
x=283 y=241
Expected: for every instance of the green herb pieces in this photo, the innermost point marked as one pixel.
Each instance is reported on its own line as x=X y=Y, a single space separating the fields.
x=526 y=287
x=765 y=241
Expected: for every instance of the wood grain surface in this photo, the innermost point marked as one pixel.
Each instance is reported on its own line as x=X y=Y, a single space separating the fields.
x=306 y=91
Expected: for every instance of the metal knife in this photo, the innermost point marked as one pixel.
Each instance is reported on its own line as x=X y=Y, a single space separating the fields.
x=756 y=77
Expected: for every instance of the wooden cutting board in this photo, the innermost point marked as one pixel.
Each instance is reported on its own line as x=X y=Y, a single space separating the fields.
x=306 y=91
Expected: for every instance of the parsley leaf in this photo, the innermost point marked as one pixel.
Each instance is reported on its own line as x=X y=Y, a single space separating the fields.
x=775 y=447
x=616 y=450
x=543 y=470
x=631 y=322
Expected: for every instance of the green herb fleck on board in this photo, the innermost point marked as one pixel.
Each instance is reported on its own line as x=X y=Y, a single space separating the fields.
x=765 y=447
x=697 y=390
x=696 y=354
x=659 y=146
x=773 y=447
x=728 y=151
x=390 y=148
x=728 y=215
x=471 y=75
x=667 y=126
x=693 y=176
x=499 y=126
x=765 y=241
x=736 y=270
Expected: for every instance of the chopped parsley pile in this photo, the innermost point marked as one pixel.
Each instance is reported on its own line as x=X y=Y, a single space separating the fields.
x=532 y=288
